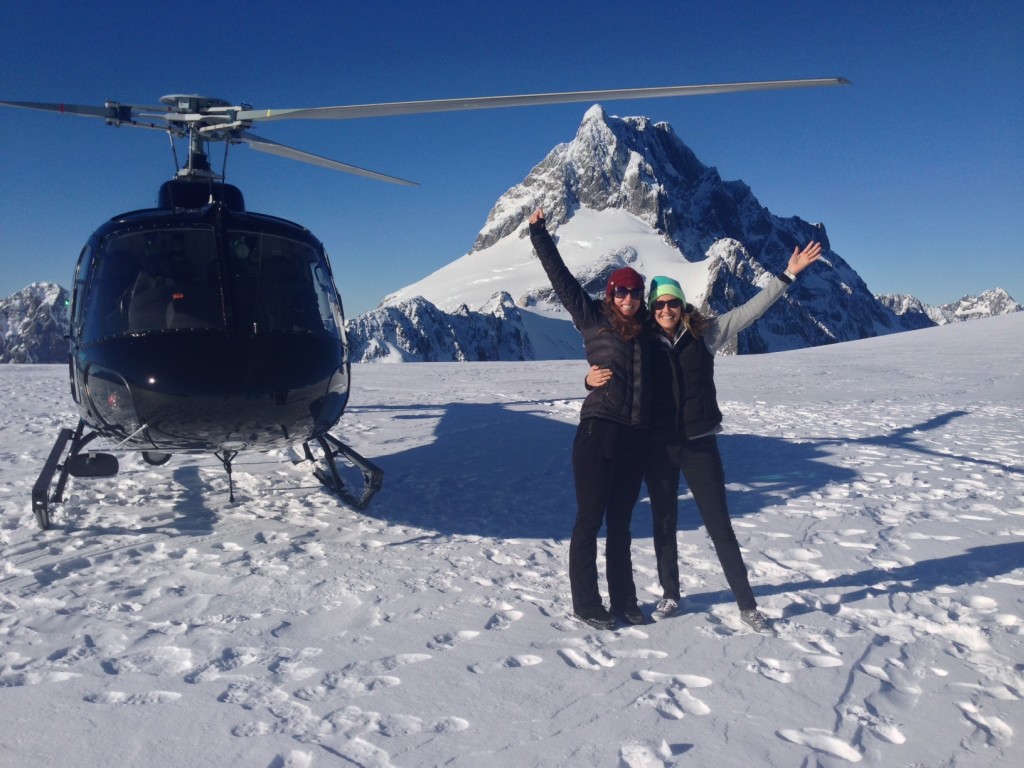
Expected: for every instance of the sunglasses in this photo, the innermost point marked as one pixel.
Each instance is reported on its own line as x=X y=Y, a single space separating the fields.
x=670 y=303
x=621 y=292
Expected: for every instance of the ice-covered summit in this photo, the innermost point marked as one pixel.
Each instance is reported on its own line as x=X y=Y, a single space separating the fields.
x=626 y=190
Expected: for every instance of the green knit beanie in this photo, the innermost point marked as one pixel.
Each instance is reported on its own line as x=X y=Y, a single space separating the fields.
x=664 y=286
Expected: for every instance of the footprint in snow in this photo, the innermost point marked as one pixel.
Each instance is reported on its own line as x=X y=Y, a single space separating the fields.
x=822 y=741
x=450 y=639
x=360 y=677
x=997 y=732
x=117 y=698
x=674 y=701
x=881 y=726
x=773 y=669
x=230 y=660
x=587 y=659
x=503 y=619
x=512 y=662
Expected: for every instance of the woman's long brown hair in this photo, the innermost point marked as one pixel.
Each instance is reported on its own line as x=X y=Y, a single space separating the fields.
x=627 y=328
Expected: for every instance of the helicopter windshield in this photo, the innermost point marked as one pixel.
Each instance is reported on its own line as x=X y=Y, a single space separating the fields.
x=154 y=280
x=173 y=278
x=280 y=284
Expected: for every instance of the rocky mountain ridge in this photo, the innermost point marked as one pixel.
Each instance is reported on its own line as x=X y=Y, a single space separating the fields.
x=33 y=324
x=494 y=304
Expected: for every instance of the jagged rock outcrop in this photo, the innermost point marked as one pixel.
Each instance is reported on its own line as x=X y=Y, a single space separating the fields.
x=988 y=304
x=33 y=325
x=416 y=330
x=644 y=168
x=910 y=309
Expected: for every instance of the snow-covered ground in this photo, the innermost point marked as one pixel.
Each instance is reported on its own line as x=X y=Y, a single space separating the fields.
x=876 y=486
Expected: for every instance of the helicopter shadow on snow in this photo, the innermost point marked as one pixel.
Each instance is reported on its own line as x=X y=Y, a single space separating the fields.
x=504 y=470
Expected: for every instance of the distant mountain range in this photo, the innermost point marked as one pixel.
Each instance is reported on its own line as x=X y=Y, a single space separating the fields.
x=994 y=302
x=629 y=192
x=625 y=191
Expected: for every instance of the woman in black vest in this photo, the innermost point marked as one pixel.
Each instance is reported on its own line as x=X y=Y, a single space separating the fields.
x=686 y=420
x=607 y=453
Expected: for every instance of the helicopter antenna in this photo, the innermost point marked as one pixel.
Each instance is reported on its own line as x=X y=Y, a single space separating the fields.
x=174 y=152
x=224 y=165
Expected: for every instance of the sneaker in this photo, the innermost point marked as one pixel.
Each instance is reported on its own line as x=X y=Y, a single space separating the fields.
x=667 y=607
x=600 y=619
x=756 y=620
x=632 y=615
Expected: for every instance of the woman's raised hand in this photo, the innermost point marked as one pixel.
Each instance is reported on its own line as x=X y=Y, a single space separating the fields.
x=802 y=259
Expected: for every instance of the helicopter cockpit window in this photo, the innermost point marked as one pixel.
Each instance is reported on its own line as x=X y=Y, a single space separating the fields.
x=82 y=273
x=155 y=280
x=278 y=285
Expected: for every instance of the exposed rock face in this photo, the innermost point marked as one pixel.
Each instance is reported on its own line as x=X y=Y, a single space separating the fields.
x=33 y=323
x=416 y=330
x=628 y=164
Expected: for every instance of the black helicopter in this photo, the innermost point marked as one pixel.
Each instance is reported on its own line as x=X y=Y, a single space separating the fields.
x=200 y=327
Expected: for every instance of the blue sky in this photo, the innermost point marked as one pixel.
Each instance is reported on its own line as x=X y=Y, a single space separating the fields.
x=917 y=170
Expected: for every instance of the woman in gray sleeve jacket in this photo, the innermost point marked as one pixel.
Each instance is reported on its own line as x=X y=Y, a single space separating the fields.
x=685 y=422
x=610 y=442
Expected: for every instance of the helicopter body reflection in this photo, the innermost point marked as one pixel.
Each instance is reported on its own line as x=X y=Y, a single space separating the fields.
x=196 y=329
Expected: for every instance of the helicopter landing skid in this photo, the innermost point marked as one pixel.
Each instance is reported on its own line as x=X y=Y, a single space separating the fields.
x=90 y=464
x=328 y=474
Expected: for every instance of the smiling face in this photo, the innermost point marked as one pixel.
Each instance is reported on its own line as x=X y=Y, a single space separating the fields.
x=668 y=311
x=627 y=301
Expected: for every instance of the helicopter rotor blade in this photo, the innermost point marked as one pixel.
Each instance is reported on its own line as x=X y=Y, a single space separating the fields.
x=109 y=111
x=525 y=100
x=273 y=148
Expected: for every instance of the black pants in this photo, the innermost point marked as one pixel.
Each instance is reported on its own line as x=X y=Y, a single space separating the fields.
x=607 y=462
x=701 y=465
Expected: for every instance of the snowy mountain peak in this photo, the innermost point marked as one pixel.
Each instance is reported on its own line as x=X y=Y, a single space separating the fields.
x=990 y=303
x=626 y=190
x=33 y=323
x=595 y=113
x=613 y=162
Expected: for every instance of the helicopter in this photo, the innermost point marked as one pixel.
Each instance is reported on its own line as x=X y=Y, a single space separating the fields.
x=199 y=327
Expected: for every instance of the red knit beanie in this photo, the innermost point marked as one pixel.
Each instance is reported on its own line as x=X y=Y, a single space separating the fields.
x=627 y=277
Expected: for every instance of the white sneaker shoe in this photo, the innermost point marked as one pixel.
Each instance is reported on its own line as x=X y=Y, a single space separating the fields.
x=665 y=608
x=756 y=620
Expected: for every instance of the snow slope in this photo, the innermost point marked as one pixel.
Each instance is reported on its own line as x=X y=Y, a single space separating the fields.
x=510 y=265
x=876 y=486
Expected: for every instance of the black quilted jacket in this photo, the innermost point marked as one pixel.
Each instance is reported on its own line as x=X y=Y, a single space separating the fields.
x=622 y=399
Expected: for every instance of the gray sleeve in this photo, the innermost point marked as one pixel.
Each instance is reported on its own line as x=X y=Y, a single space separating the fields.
x=724 y=327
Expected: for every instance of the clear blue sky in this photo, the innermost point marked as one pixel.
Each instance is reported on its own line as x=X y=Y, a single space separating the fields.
x=917 y=170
